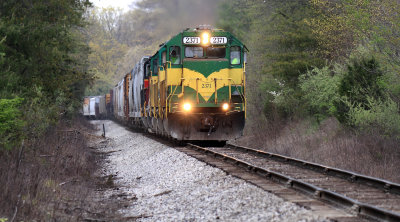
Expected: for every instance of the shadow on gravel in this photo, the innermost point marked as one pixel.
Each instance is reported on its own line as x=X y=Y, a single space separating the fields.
x=168 y=141
x=209 y=143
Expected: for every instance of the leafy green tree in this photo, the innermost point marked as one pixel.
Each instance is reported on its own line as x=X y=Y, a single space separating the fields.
x=43 y=58
x=106 y=50
x=320 y=88
x=296 y=50
x=281 y=46
x=342 y=25
x=233 y=16
x=376 y=116
x=118 y=40
x=361 y=82
x=43 y=43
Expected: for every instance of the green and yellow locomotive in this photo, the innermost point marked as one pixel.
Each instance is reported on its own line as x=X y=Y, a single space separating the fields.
x=192 y=88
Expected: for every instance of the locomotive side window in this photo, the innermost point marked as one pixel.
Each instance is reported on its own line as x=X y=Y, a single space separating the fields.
x=193 y=52
x=175 y=55
x=164 y=57
x=155 y=66
x=147 y=70
x=215 y=52
x=235 y=55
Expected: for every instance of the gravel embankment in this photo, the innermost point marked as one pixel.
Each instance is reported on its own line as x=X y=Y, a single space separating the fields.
x=171 y=186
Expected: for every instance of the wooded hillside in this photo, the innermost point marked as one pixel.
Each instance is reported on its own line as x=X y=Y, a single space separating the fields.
x=312 y=63
x=118 y=40
x=323 y=85
x=320 y=59
x=325 y=75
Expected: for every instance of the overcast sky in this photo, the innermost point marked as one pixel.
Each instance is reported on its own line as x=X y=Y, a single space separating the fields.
x=124 y=4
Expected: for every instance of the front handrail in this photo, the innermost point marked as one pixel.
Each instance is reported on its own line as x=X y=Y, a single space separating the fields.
x=169 y=98
x=241 y=95
x=244 y=88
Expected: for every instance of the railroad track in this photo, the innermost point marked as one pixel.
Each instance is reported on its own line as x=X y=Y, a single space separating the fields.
x=361 y=197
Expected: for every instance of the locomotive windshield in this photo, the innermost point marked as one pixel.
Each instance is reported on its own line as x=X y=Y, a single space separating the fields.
x=215 y=52
x=206 y=52
x=193 y=52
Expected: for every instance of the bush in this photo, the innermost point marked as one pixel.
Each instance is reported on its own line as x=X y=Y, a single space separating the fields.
x=362 y=80
x=288 y=103
x=280 y=100
x=41 y=112
x=11 y=124
x=377 y=115
x=320 y=87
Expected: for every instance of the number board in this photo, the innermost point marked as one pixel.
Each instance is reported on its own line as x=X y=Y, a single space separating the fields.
x=206 y=85
x=218 y=40
x=191 y=40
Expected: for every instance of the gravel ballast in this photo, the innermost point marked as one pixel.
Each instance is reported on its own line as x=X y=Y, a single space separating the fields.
x=167 y=185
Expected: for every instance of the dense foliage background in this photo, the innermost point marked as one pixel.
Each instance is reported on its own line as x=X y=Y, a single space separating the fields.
x=325 y=75
x=319 y=59
x=43 y=65
x=321 y=73
x=119 y=39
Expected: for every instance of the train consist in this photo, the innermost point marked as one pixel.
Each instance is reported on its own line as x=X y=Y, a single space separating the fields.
x=95 y=107
x=192 y=88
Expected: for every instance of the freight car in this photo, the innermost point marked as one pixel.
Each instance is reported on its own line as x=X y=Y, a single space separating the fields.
x=100 y=107
x=192 y=88
x=95 y=107
x=86 y=107
x=92 y=107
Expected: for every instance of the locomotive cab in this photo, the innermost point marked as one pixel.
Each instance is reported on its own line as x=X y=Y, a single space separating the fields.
x=197 y=86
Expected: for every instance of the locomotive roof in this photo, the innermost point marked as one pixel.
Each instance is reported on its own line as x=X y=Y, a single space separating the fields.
x=177 y=39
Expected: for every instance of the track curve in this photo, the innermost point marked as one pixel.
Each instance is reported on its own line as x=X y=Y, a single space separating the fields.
x=363 y=196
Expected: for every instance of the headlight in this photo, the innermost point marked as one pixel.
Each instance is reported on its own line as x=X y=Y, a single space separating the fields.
x=187 y=107
x=205 y=38
x=225 y=106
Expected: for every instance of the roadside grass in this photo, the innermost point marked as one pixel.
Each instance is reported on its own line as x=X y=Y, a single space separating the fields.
x=329 y=144
x=52 y=177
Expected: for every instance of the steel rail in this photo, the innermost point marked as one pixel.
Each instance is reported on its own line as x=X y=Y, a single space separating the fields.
x=378 y=183
x=318 y=193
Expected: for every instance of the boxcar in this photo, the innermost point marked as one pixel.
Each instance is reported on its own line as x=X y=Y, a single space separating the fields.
x=92 y=107
x=86 y=107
